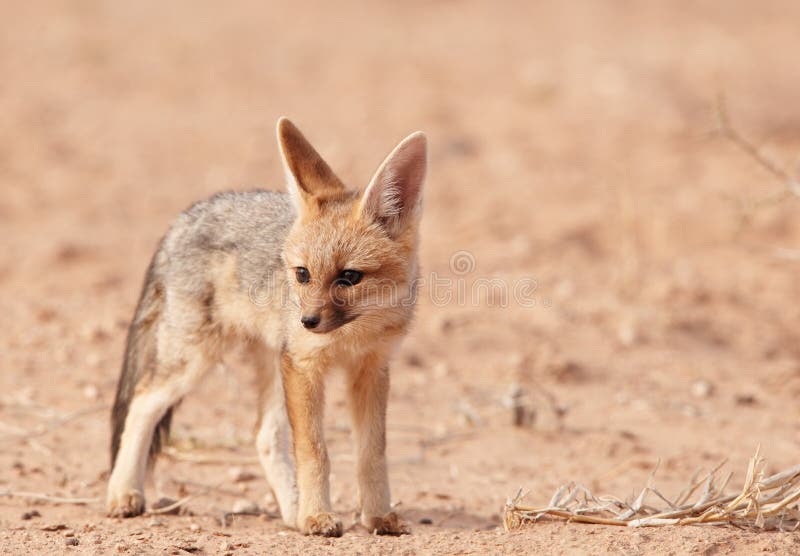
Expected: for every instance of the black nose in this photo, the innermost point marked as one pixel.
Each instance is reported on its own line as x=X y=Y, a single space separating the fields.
x=310 y=322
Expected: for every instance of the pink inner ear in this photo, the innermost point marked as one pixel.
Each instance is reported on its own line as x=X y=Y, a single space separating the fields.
x=395 y=188
x=408 y=181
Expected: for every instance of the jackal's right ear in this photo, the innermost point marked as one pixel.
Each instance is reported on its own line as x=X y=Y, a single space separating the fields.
x=394 y=195
x=307 y=174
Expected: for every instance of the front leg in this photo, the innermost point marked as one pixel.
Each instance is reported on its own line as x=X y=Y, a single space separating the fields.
x=369 y=395
x=305 y=399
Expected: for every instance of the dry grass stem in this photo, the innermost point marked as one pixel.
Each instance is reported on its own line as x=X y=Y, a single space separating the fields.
x=201 y=459
x=726 y=129
x=763 y=502
x=39 y=496
x=174 y=506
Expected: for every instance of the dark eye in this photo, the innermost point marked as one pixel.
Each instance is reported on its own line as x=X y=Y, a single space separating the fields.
x=349 y=278
x=302 y=275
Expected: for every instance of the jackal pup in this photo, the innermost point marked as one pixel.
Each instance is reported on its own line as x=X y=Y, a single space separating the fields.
x=323 y=276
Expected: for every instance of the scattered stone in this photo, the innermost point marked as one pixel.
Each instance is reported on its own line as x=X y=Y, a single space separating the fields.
x=194 y=527
x=69 y=532
x=30 y=515
x=745 y=399
x=239 y=475
x=426 y=521
x=415 y=360
x=90 y=392
x=702 y=389
x=244 y=506
x=71 y=541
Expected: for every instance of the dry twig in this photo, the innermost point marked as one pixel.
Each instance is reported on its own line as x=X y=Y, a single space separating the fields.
x=175 y=505
x=763 y=502
x=726 y=129
x=202 y=459
x=47 y=498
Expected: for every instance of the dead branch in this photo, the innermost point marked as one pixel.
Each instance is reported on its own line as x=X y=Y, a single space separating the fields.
x=47 y=498
x=729 y=132
x=762 y=502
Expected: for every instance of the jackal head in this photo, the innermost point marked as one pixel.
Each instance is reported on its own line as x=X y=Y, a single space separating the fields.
x=351 y=256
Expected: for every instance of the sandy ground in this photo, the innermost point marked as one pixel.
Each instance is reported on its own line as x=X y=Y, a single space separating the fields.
x=571 y=145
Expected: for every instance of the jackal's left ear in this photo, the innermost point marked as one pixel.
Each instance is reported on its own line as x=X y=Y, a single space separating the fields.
x=393 y=196
x=307 y=174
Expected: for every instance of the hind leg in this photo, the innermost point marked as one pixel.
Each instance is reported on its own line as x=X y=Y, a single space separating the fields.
x=273 y=440
x=154 y=395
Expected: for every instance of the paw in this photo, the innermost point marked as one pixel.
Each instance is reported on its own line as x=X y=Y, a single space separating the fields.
x=389 y=524
x=125 y=503
x=324 y=524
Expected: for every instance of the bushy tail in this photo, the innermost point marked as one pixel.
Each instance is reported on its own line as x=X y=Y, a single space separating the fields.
x=140 y=359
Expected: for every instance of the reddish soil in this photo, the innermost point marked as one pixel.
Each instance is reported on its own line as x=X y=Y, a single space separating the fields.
x=571 y=144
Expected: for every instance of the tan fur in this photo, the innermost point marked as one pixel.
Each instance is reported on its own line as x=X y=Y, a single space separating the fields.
x=338 y=230
x=204 y=288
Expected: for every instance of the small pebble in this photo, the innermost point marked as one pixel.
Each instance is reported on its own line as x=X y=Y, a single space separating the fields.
x=426 y=521
x=414 y=360
x=244 y=506
x=69 y=532
x=30 y=515
x=702 y=389
x=745 y=399
x=71 y=541
x=194 y=527
x=239 y=475
x=91 y=392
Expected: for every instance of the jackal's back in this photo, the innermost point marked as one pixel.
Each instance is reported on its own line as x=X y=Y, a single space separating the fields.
x=250 y=227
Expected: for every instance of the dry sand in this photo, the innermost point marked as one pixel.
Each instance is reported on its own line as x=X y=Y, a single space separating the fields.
x=571 y=144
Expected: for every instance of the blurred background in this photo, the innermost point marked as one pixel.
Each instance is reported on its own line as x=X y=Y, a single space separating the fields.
x=576 y=145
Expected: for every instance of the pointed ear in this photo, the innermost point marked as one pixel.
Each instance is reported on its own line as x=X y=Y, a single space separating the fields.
x=393 y=196
x=307 y=174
